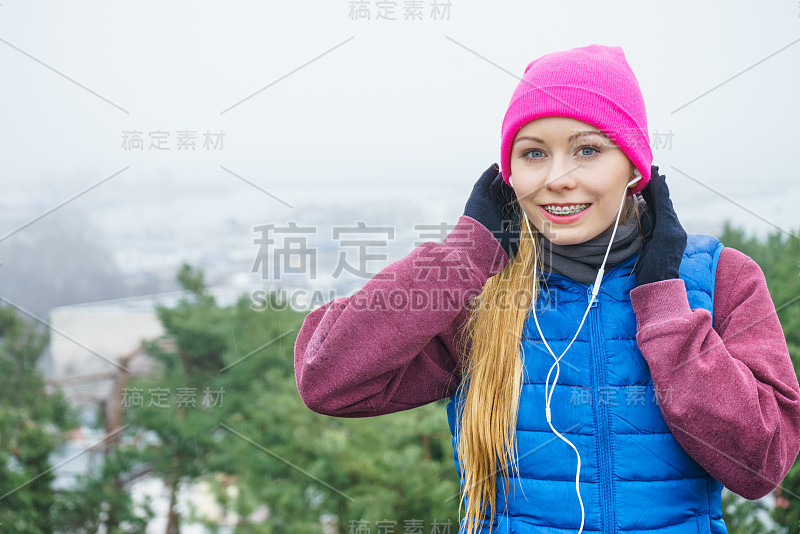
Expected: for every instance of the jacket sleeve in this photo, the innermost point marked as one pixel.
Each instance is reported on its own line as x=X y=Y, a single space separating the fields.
x=395 y=344
x=733 y=398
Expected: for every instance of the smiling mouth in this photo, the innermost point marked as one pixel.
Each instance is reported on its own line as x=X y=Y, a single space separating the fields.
x=569 y=209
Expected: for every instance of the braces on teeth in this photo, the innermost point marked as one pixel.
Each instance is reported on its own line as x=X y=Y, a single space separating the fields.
x=558 y=210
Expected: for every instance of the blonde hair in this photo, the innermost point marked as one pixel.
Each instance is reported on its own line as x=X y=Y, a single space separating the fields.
x=492 y=364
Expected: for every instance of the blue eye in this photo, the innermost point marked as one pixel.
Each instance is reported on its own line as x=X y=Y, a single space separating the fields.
x=595 y=150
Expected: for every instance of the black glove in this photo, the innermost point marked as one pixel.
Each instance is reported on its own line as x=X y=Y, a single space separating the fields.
x=663 y=248
x=492 y=203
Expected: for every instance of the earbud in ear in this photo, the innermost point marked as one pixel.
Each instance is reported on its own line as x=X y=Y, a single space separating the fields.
x=511 y=180
x=638 y=176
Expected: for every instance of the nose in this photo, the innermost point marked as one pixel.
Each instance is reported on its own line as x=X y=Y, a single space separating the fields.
x=562 y=176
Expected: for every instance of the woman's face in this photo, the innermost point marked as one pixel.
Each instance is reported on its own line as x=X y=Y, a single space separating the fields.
x=563 y=161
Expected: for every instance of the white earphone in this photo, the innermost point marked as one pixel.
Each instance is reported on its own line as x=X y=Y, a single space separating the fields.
x=596 y=288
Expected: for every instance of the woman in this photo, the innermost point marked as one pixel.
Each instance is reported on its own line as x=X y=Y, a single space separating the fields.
x=675 y=376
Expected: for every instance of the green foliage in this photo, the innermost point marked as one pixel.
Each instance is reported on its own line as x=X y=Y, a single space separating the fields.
x=181 y=406
x=102 y=499
x=192 y=280
x=744 y=517
x=261 y=436
x=31 y=423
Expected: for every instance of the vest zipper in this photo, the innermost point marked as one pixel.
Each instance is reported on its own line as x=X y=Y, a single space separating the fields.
x=606 y=495
x=589 y=296
x=603 y=432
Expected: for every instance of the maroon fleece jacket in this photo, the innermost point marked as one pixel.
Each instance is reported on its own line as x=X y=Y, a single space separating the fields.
x=734 y=396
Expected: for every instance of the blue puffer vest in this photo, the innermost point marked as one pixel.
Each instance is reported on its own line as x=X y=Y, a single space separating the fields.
x=635 y=477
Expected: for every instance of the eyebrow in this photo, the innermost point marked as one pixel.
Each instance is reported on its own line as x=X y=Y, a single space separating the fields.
x=571 y=137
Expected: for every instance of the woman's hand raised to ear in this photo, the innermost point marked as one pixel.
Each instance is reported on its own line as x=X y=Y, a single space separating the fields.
x=664 y=245
x=492 y=204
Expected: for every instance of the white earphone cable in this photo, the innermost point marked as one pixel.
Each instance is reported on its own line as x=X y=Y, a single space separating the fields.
x=598 y=280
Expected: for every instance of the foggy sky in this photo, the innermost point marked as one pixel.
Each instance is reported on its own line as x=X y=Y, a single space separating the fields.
x=320 y=109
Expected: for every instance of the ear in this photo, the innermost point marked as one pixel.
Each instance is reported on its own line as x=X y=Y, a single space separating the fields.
x=632 y=183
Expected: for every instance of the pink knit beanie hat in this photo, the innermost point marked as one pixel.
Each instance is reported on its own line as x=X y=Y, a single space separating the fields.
x=593 y=84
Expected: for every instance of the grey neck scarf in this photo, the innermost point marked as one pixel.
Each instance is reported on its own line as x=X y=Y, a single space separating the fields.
x=581 y=261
